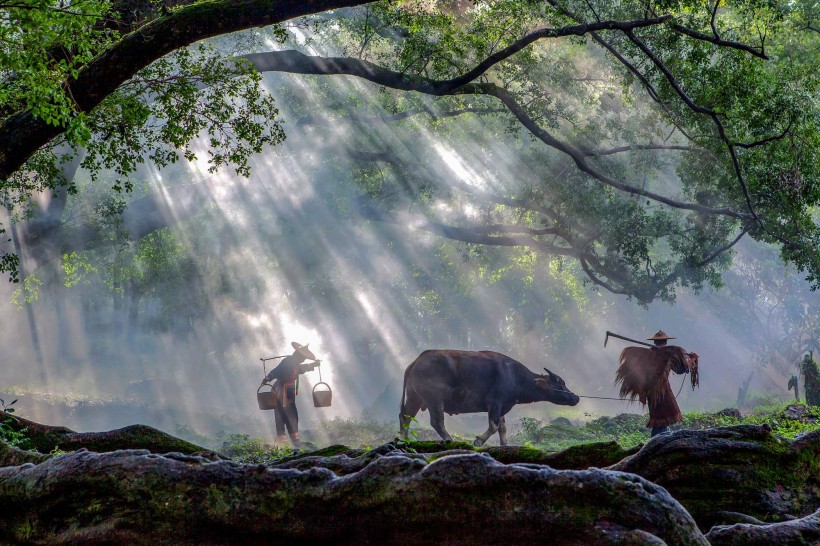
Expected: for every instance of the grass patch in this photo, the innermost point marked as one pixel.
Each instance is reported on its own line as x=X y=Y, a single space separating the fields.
x=629 y=430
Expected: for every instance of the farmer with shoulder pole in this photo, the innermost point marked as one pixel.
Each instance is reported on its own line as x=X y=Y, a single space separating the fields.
x=286 y=388
x=644 y=374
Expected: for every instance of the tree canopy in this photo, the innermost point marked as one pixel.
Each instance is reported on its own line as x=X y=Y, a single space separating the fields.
x=655 y=136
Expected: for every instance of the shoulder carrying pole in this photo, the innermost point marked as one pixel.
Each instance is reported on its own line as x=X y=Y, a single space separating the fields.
x=264 y=368
x=608 y=334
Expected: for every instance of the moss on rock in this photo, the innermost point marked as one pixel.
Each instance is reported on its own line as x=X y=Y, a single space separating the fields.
x=12 y=456
x=394 y=497
x=47 y=438
x=740 y=469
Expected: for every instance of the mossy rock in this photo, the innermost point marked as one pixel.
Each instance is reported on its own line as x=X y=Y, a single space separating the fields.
x=131 y=437
x=597 y=454
x=739 y=469
x=430 y=446
x=329 y=451
x=46 y=438
x=135 y=497
x=593 y=454
x=804 y=530
x=12 y=456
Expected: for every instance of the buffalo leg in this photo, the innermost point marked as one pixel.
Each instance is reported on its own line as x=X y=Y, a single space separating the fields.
x=502 y=431
x=437 y=421
x=408 y=411
x=494 y=417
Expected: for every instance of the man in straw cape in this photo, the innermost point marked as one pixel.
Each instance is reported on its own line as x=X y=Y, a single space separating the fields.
x=286 y=388
x=644 y=374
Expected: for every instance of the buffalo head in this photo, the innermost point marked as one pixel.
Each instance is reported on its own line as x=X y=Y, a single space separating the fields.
x=555 y=390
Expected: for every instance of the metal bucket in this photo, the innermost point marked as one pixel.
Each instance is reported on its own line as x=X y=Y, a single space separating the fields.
x=266 y=400
x=321 y=398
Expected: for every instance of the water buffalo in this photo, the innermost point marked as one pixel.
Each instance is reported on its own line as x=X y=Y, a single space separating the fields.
x=474 y=381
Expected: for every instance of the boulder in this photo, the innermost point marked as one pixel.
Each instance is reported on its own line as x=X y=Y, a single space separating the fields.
x=798 y=412
x=795 y=532
x=730 y=412
x=739 y=469
x=386 y=496
x=13 y=456
x=47 y=438
x=593 y=454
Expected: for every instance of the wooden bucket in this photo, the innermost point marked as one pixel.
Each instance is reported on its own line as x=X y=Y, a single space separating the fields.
x=321 y=398
x=266 y=400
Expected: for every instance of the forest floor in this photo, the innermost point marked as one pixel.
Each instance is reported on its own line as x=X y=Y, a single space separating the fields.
x=232 y=437
x=627 y=429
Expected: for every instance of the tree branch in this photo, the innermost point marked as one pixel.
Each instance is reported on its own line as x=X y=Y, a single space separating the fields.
x=718 y=41
x=481 y=235
x=650 y=89
x=297 y=62
x=678 y=271
x=720 y=250
x=314 y=120
x=622 y=149
x=545 y=211
x=715 y=116
x=597 y=280
x=22 y=133
x=579 y=158
x=765 y=140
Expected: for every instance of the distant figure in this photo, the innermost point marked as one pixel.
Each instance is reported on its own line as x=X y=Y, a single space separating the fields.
x=644 y=374
x=743 y=390
x=794 y=383
x=811 y=379
x=286 y=388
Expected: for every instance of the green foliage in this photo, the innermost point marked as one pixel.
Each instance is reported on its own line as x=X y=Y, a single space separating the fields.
x=641 y=250
x=187 y=432
x=157 y=267
x=810 y=372
x=57 y=452
x=42 y=45
x=626 y=429
x=630 y=430
x=75 y=267
x=158 y=114
x=10 y=263
x=9 y=434
x=763 y=401
x=789 y=420
x=779 y=315
x=244 y=449
x=29 y=292
x=687 y=115
x=367 y=431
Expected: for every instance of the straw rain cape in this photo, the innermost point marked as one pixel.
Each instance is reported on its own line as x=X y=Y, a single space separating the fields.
x=644 y=375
